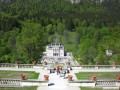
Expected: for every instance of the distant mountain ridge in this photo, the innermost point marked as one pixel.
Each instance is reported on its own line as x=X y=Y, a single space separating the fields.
x=97 y=1
x=73 y=1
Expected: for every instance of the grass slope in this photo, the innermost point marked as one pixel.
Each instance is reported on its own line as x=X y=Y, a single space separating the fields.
x=16 y=74
x=86 y=88
x=23 y=88
x=100 y=75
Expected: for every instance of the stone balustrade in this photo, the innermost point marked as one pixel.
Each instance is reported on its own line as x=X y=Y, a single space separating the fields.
x=100 y=67
x=97 y=83
x=108 y=83
x=82 y=67
x=34 y=83
x=10 y=83
x=82 y=83
x=21 y=83
x=25 y=66
x=7 y=65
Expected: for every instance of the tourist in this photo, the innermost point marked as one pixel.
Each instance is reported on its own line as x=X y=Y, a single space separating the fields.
x=61 y=72
x=50 y=71
x=58 y=68
x=70 y=68
x=54 y=69
x=68 y=71
x=64 y=73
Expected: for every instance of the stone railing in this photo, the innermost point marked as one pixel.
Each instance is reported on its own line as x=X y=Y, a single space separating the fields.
x=97 y=83
x=25 y=65
x=82 y=67
x=108 y=83
x=96 y=67
x=34 y=83
x=7 y=65
x=10 y=83
x=82 y=83
x=21 y=83
x=53 y=65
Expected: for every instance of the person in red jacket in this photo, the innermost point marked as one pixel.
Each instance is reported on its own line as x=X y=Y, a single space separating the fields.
x=58 y=68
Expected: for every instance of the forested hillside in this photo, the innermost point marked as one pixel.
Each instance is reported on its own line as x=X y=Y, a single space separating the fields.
x=87 y=29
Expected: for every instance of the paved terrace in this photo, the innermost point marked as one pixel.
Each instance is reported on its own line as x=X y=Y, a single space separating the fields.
x=59 y=82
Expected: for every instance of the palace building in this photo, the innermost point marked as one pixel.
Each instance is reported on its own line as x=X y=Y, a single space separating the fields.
x=54 y=50
x=55 y=53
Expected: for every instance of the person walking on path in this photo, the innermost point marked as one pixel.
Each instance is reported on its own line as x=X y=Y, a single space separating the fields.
x=58 y=68
x=64 y=73
x=61 y=73
x=68 y=71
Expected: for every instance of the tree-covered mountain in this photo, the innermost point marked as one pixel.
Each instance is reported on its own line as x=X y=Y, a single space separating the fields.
x=86 y=28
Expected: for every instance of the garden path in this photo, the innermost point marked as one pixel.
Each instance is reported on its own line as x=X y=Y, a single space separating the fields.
x=59 y=82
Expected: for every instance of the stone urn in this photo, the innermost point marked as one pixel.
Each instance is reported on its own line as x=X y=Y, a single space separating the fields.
x=93 y=77
x=34 y=62
x=22 y=77
x=70 y=77
x=17 y=62
x=117 y=77
x=46 y=77
x=68 y=63
x=80 y=63
x=45 y=63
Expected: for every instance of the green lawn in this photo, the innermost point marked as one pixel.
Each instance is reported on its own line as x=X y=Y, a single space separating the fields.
x=16 y=74
x=99 y=75
x=23 y=88
x=86 y=88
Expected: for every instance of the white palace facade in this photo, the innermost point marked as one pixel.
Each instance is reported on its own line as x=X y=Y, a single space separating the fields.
x=55 y=53
x=54 y=50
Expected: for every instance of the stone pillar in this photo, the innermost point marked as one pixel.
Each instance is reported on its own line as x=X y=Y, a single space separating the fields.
x=96 y=65
x=17 y=64
x=114 y=64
